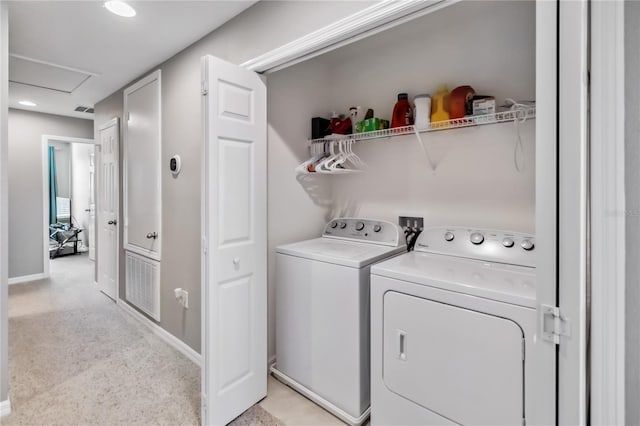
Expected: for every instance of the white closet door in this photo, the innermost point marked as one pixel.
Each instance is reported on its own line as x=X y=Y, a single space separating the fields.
x=234 y=287
x=142 y=184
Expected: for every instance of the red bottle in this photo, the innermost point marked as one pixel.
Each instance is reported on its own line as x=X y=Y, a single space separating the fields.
x=402 y=112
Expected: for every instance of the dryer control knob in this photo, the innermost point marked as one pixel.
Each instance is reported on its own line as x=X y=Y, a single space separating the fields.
x=359 y=226
x=507 y=242
x=527 y=245
x=377 y=228
x=334 y=225
x=343 y=225
x=476 y=238
x=448 y=236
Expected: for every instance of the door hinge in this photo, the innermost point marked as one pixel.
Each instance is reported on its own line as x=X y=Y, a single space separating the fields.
x=554 y=324
x=204 y=245
x=204 y=89
x=128 y=118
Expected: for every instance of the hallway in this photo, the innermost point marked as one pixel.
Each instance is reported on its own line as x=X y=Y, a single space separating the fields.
x=76 y=358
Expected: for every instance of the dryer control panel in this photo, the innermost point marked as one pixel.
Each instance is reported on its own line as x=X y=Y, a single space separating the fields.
x=514 y=248
x=366 y=231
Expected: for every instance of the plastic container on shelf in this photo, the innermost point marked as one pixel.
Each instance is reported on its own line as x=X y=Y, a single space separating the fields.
x=402 y=112
x=422 y=112
x=440 y=105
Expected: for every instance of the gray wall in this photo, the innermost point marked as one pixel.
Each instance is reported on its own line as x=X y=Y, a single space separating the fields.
x=632 y=194
x=26 y=233
x=263 y=27
x=4 y=212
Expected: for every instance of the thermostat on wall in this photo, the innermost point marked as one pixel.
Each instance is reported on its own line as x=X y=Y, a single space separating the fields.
x=175 y=165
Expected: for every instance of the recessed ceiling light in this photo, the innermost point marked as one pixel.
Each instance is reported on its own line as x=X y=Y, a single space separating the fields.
x=27 y=103
x=120 y=8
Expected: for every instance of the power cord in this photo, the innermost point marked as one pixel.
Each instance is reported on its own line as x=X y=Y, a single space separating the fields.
x=518 y=149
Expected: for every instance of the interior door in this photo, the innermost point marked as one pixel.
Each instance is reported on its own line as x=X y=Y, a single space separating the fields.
x=92 y=207
x=108 y=205
x=234 y=283
x=142 y=168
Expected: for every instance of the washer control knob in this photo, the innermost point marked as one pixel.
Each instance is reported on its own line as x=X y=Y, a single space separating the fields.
x=377 y=228
x=507 y=242
x=527 y=245
x=334 y=225
x=343 y=225
x=359 y=226
x=476 y=238
x=448 y=236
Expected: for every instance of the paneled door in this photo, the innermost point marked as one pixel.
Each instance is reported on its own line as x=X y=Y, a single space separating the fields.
x=92 y=207
x=142 y=165
x=234 y=221
x=108 y=205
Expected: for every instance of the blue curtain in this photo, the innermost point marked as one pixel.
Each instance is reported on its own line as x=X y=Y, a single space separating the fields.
x=53 y=188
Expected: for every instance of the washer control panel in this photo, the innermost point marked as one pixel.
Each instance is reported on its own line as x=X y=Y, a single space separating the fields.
x=365 y=230
x=514 y=248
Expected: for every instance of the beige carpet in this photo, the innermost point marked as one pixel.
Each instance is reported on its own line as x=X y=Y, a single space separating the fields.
x=76 y=359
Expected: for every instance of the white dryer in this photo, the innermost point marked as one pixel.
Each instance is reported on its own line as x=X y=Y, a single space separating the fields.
x=452 y=323
x=322 y=313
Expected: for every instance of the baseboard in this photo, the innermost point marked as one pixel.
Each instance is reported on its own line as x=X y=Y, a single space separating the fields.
x=169 y=338
x=271 y=362
x=27 y=278
x=5 y=408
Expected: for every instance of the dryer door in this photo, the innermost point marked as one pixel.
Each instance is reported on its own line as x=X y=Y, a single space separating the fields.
x=463 y=365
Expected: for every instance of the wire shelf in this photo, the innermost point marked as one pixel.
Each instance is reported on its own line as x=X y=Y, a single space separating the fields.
x=478 y=120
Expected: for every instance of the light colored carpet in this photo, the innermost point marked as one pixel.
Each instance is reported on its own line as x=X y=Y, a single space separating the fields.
x=76 y=359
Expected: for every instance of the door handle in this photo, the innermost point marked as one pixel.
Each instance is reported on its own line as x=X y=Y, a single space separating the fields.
x=152 y=235
x=112 y=222
x=402 y=345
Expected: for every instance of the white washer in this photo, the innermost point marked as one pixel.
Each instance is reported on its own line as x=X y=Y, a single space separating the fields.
x=322 y=313
x=452 y=323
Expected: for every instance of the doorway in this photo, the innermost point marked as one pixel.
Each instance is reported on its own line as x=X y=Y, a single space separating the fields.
x=68 y=200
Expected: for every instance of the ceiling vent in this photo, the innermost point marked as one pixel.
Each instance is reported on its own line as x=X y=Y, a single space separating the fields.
x=88 y=110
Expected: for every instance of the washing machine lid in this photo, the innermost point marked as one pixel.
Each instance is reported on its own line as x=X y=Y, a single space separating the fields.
x=340 y=252
x=495 y=281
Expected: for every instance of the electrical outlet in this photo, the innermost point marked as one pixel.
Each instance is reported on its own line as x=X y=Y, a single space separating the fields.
x=411 y=222
x=182 y=296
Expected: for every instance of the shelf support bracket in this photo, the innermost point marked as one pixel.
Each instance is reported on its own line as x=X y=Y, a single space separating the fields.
x=424 y=149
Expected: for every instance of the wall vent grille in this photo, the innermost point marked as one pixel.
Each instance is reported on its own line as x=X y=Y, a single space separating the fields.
x=143 y=284
x=81 y=108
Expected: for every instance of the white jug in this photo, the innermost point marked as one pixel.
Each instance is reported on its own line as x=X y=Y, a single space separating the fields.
x=422 y=112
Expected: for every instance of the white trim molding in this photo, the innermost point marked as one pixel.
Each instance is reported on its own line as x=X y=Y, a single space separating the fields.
x=607 y=151
x=573 y=181
x=46 y=139
x=27 y=278
x=371 y=20
x=5 y=408
x=163 y=334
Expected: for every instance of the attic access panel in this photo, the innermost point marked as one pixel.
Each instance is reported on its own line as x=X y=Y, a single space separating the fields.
x=35 y=73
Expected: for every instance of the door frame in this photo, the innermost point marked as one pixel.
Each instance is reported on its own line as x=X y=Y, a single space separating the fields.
x=46 y=139
x=608 y=213
x=115 y=121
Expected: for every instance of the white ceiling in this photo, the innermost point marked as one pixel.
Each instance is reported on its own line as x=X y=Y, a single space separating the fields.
x=83 y=38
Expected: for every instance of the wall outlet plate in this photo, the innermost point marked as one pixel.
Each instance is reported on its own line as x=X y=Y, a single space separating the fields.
x=182 y=296
x=411 y=222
